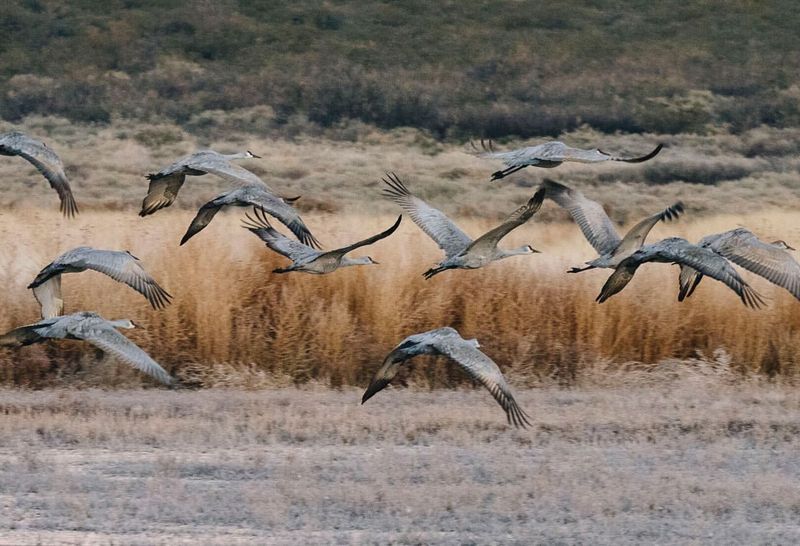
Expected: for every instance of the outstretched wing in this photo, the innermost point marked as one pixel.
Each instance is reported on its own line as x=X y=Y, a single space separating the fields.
x=387 y=372
x=589 y=215
x=516 y=219
x=483 y=369
x=277 y=241
x=636 y=236
x=619 y=279
x=687 y=281
x=46 y=162
x=202 y=219
x=682 y=252
x=776 y=265
x=284 y=212
x=596 y=155
x=370 y=240
x=104 y=336
x=125 y=268
x=430 y=220
x=162 y=192
x=216 y=164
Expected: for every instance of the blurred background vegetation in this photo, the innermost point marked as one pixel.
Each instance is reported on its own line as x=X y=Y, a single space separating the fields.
x=454 y=69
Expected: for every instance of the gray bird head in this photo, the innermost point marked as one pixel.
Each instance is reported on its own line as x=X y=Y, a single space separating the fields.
x=251 y=154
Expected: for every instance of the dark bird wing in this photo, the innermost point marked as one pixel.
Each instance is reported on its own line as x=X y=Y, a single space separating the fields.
x=202 y=219
x=430 y=220
x=387 y=372
x=162 y=192
x=25 y=335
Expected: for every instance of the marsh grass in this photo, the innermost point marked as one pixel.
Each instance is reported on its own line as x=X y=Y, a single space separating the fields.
x=234 y=322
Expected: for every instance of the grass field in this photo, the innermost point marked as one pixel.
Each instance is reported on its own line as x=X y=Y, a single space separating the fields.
x=689 y=458
x=234 y=323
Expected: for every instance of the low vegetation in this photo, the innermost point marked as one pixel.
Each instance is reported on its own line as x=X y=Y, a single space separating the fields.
x=453 y=69
x=689 y=458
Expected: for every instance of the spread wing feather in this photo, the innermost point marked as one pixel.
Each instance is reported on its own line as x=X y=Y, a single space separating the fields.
x=104 y=336
x=483 y=370
x=589 y=215
x=432 y=221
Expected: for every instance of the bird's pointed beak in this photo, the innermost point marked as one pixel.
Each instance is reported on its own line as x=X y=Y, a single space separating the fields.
x=254 y=155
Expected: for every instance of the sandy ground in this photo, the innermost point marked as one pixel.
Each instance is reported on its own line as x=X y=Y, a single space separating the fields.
x=685 y=462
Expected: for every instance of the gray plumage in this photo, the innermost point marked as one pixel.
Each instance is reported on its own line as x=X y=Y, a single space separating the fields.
x=165 y=184
x=258 y=197
x=96 y=330
x=742 y=247
x=551 y=154
x=306 y=259
x=680 y=251
x=460 y=251
x=598 y=229
x=123 y=267
x=464 y=352
x=46 y=162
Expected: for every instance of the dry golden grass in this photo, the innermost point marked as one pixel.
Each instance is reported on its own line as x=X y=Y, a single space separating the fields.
x=107 y=164
x=235 y=323
x=689 y=460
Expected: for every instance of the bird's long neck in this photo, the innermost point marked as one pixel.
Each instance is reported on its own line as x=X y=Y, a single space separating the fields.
x=354 y=261
x=121 y=323
x=515 y=251
x=237 y=155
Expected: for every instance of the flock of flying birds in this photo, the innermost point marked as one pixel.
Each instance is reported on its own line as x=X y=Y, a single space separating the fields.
x=711 y=256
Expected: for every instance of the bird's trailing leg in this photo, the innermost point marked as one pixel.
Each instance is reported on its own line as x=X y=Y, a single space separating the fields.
x=497 y=175
x=580 y=269
x=434 y=271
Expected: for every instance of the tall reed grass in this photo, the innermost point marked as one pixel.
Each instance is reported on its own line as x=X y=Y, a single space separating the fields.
x=234 y=322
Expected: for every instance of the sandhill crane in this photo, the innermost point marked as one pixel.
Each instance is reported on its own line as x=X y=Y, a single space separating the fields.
x=260 y=198
x=306 y=259
x=550 y=154
x=742 y=247
x=46 y=162
x=464 y=352
x=121 y=266
x=165 y=184
x=598 y=228
x=96 y=330
x=461 y=252
x=680 y=251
